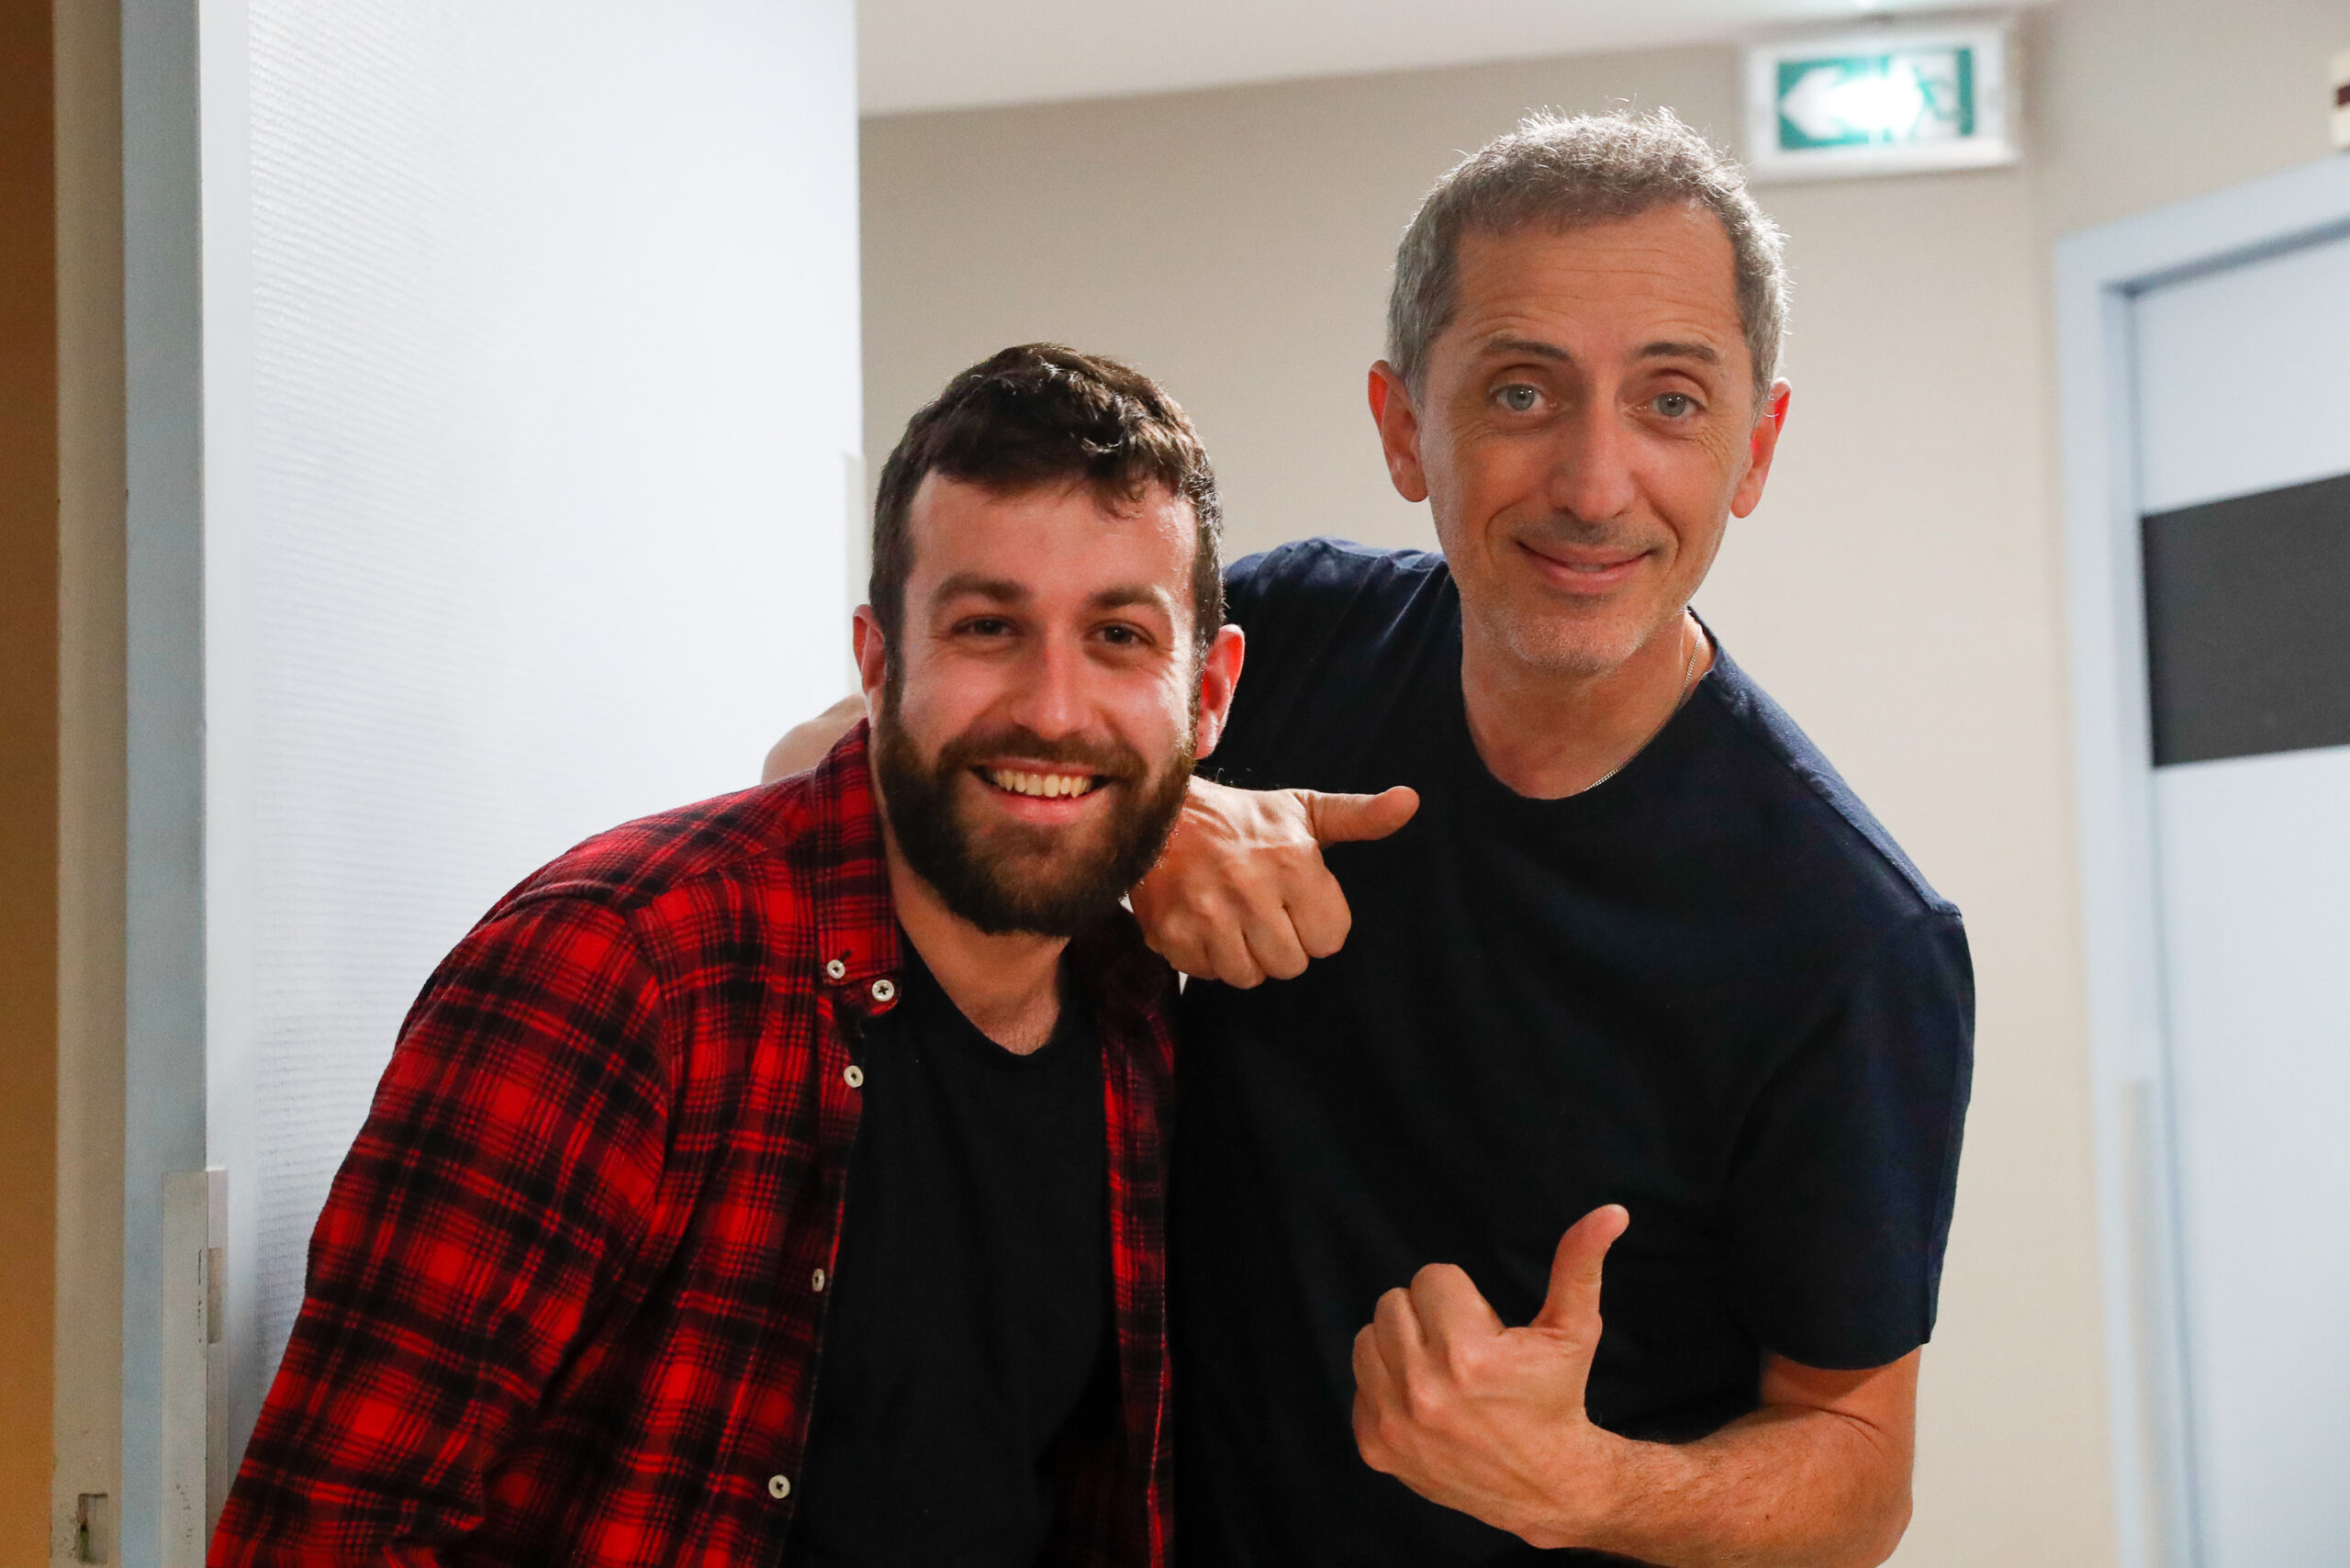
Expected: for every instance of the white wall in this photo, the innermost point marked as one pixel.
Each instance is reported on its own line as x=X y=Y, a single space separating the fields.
x=554 y=365
x=529 y=393
x=1898 y=590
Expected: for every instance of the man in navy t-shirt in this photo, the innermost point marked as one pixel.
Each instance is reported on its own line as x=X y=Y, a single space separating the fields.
x=1637 y=970
x=1593 y=992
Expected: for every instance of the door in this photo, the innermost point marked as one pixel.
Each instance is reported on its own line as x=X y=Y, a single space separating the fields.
x=2242 y=379
x=491 y=371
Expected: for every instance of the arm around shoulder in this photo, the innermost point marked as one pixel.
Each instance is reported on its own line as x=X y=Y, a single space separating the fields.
x=804 y=745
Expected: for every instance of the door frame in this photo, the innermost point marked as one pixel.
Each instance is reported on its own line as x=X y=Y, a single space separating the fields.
x=2099 y=274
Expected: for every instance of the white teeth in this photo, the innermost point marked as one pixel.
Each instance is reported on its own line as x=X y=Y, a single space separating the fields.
x=1045 y=786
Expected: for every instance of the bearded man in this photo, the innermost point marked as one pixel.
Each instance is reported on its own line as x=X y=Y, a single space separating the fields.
x=778 y=1179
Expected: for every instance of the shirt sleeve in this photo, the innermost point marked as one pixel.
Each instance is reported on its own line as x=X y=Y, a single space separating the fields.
x=1246 y=583
x=1309 y=580
x=1297 y=602
x=1839 y=1197
x=506 y=1168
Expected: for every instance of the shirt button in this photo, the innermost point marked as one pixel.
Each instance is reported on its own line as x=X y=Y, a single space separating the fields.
x=883 y=990
x=816 y=1279
x=835 y=969
x=778 y=1487
x=853 y=1076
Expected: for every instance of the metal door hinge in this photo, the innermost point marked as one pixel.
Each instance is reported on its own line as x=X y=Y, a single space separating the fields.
x=197 y=1465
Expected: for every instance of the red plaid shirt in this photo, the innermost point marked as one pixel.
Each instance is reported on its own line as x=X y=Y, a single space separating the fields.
x=566 y=1298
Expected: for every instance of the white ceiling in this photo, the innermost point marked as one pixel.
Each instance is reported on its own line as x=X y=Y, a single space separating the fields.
x=938 y=54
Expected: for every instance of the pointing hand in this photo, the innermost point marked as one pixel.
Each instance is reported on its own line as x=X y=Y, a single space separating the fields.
x=1241 y=892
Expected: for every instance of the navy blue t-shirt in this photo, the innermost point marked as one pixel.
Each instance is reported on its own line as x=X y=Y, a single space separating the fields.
x=1711 y=988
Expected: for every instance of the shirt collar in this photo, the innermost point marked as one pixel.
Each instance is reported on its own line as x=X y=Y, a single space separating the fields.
x=859 y=951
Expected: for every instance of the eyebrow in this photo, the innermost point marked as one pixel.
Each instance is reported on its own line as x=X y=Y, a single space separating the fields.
x=1124 y=595
x=1535 y=348
x=1004 y=590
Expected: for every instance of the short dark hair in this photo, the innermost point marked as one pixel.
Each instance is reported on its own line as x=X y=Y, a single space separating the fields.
x=1037 y=415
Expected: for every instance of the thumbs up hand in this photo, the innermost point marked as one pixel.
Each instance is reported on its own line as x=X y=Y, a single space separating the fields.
x=1240 y=893
x=1490 y=1420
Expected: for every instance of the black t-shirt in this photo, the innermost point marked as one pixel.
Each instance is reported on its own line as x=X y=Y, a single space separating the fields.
x=1711 y=988
x=968 y=1325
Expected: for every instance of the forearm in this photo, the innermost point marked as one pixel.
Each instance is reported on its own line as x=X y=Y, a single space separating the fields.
x=1785 y=1485
x=804 y=745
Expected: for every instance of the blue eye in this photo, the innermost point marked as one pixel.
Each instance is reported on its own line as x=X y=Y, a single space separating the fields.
x=1519 y=398
x=1676 y=405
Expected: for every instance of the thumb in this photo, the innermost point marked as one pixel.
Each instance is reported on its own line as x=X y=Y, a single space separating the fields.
x=1347 y=818
x=1572 y=1305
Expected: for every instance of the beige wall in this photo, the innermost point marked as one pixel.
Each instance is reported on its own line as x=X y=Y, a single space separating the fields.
x=1898 y=590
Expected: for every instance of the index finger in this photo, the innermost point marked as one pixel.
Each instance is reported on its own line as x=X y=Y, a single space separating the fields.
x=1395 y=1329
x=1451 y=1308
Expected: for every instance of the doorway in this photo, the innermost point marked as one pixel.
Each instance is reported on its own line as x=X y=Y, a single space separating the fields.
x=2208 y=452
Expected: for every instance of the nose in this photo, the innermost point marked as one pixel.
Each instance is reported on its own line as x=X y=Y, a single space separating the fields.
x=1591 y=471
x=1049 y=698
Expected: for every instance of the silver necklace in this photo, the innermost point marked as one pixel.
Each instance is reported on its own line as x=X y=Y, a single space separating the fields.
x=1688 y=677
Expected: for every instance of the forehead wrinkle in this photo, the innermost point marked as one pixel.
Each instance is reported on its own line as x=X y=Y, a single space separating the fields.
x=1512 y=272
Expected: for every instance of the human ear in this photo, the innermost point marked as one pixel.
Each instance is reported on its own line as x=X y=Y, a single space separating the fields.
x=872 y=655
x=1399 y=432
x=1219 y=675
x=1761 y=446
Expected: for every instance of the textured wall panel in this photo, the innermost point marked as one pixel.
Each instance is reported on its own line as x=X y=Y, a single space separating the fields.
x=2247 y=650
x=555 y=348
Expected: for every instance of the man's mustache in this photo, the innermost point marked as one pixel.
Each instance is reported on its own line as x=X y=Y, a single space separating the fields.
x=1565 y=528
x=1107 y=758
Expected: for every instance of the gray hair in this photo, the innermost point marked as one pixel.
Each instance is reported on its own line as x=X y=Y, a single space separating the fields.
x=1561 y=171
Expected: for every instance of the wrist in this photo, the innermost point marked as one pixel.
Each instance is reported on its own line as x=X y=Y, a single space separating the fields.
x=1592 y=1493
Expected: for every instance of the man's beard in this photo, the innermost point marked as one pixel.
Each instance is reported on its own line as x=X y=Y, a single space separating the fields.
x=1013 y=876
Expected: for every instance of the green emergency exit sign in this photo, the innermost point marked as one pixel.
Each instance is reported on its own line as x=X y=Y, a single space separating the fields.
x=1883 y=102
x=1872 y=100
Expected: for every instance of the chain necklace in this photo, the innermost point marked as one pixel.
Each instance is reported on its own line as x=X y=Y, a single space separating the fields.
x=1689 y=680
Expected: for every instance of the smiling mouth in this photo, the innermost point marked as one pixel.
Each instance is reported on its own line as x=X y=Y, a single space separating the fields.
x=1583 y=564
x=1040 y=786
x=1567 y=572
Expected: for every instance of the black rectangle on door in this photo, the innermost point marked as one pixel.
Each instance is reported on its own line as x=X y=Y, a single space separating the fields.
x=2248 y=623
